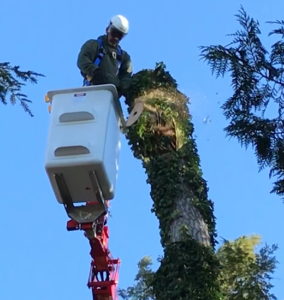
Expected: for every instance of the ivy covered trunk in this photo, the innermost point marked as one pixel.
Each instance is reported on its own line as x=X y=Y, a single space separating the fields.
x=163 y=139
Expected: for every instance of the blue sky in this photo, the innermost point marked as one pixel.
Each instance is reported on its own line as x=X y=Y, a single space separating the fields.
x=38 y=257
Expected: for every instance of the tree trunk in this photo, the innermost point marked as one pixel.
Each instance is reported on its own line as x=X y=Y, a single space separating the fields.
x=190 y=217
x=162 y=139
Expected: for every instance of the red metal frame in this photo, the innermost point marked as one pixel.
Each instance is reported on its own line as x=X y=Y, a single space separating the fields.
x=104 y=272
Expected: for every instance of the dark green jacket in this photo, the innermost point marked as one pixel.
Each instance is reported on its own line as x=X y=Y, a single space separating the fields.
x=108 y=65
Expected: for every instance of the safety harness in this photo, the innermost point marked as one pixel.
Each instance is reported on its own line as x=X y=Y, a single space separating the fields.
x=100 y=56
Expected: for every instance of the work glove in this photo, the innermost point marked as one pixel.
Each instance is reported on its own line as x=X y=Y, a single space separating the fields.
x=97 y=77
x=115 y=81
x=126 y=94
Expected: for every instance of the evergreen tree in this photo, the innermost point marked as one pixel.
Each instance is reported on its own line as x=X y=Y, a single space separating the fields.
x=255 y=110
x=246 y=273
x=12 y=79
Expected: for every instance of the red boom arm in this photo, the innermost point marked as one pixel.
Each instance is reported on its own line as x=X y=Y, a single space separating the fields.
x=103 y=278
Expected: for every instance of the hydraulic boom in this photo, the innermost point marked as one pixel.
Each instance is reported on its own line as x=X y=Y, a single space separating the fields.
x=104 y=271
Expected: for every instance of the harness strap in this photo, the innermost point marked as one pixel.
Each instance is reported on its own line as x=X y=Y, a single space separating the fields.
x=100 y=56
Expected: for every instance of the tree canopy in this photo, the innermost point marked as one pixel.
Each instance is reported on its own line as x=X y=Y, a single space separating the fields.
x=255 y=110
x=12 y=80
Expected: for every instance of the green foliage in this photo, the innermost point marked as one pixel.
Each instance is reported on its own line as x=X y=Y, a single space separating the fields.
x=257 y=81
x=188 y=270
x=167 y=158
x=169 y=176
x=142 y=289
x=246 y=273
x=12 y=79
x=163 y=139
x=146 y=80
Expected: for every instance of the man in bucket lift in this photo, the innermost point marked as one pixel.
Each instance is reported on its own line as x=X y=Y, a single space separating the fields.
x=103 y=61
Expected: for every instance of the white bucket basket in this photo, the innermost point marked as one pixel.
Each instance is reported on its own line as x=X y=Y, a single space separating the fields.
x=83 y=148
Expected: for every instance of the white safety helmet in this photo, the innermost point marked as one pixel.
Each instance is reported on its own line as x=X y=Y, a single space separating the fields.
x=118 y=26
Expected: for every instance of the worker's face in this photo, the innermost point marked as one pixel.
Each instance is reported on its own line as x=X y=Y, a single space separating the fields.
x=114 y=36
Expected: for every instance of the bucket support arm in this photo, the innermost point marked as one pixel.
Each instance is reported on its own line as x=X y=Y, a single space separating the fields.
x=84 y=213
